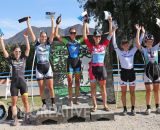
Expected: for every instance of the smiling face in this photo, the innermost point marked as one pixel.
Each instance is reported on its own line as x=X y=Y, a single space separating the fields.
x=97 y=39
x=149 y=43
x=43 y=37
x=72 y=32
x=125 y=45
x=17 y=53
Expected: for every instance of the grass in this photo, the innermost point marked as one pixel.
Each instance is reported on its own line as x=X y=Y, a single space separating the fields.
x=140 y=100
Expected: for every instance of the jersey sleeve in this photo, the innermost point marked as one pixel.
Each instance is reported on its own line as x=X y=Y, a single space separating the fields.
x=133 y=50
x=9 y=59
x=64 y=40
x=36 y=43
x=80 y=40
x=156 y=47
x=88 y=43
x=107 y=41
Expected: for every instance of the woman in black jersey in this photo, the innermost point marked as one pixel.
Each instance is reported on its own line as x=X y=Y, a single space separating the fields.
x=18 y=83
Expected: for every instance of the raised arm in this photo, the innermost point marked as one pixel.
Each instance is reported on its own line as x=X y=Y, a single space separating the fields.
x=110 y=25
x=138 y=44
x=85 y=30
x=52 y=32
x=5 y=53
x=114 y=40
x=27 y=43
x=31 y=31
x=142 y=34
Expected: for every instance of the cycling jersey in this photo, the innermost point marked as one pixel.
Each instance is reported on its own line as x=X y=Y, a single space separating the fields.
x=97 y=62
x=42 y=52
x=152 y=69
x=126 y=57
x=18 y=80
x=98 y=51
x=73 y=61
x=151 y=55
x=43 y=68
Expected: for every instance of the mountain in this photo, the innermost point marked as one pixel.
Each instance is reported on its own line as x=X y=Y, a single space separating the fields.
x=18 y=38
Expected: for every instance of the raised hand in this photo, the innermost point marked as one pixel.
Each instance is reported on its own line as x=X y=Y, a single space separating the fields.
x=143 y=30
x=110 y=18
x=25 y=34
x=137 y=27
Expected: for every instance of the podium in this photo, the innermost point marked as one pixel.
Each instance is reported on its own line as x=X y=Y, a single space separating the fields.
x=102 y=115
x=79 y=111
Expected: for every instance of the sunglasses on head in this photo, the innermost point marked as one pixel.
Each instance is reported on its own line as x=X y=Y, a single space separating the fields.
x=72 y=32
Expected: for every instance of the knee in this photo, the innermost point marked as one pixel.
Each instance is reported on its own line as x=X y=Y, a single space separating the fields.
x=77 y=81
x=148 y=91
x=69 y=81
x=132 y=93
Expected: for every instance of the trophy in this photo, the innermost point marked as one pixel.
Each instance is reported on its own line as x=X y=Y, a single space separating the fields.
x=23 y=19
x=158 y=21
x=107 y=14
x=83 y=16
x=1 y=33
x=49 y=14
x=114 y=24
x=58 y=20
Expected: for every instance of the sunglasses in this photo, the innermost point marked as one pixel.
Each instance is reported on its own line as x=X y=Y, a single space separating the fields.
x=73 y=33
x=18 y=51
x=97 y=36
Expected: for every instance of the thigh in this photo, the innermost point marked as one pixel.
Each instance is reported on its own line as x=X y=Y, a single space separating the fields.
x=49 y=74
x=14 y=100
x=14 y=89
x=156 y=86
x=124 y=88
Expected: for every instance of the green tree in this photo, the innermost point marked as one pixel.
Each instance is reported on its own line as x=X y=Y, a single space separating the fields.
x=127 y=13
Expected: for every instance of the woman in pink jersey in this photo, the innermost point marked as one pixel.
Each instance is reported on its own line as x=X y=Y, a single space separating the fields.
x=97 y=70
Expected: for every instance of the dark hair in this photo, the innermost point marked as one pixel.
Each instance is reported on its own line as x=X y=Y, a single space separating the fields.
x=124 y=42
x=15 y=46
x=43 y=32
x=72 y=28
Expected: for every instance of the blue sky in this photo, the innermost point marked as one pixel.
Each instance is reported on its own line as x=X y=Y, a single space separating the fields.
x=12 y=10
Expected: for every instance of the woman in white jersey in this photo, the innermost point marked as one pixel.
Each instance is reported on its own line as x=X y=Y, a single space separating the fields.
x=127 y=74
x=152 y=70
x=43 y=66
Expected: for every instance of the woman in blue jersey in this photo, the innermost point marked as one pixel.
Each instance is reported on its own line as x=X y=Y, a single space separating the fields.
x=43 y=68
x=73 y=61
x=152 y=70
x=18 y=82
x=127 y=74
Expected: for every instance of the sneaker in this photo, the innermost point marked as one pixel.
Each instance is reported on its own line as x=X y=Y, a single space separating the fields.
x=77 y=101
x=133 y=112
x=148 y=111
x=52 y=107
x=70 y=103
x=43 y=108
x=27 y=118
x=15 y=121
x=158 y=110
x=124 y=112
